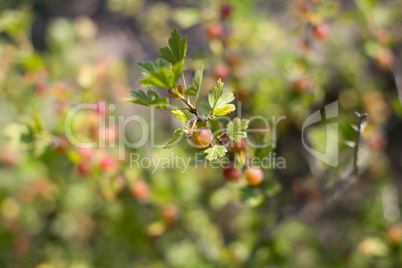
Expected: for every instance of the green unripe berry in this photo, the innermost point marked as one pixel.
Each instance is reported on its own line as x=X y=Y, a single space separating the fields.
x=202 y=137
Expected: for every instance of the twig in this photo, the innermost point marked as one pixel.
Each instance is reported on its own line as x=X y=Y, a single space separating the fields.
x=362 y=119
x=222 y=136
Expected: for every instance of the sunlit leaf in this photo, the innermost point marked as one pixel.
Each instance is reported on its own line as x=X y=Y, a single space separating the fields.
x=224 y=110
x=215 y=152
x=236 y=129
x=176 y=51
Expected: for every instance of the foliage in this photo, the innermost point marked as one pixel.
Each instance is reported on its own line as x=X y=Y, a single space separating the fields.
x=243 y=61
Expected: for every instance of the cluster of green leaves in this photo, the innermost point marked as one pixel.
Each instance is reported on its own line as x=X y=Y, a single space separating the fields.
x=165 y=73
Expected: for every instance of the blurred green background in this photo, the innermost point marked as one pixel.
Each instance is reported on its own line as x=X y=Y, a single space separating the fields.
x=61 y=206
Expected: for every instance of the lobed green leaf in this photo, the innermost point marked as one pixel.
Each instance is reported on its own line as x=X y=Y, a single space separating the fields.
x=215 y=152
x=177 y=49
x=150 y=99
x=236 y=129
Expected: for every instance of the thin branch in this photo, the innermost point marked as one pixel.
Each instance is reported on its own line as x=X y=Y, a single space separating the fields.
x=362 y=119
x=193 y=109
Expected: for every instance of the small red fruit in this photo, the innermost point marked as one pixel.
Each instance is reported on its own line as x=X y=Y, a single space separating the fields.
x=9 y=156
x=84 y=168
x=226 y=10
x=84 y=153
x=215 y=31
x=302 y=84
x=237 y=147
x=395 y=234
x=254 y=176
x=376 y=142
x=202 y=137
x=40 y=87
x=107 y=162
x=221 y=71
x=101 y=108
x=230 y=173
x=320 y=31
x=139 y=190
x=384 y=58
x=170 y=214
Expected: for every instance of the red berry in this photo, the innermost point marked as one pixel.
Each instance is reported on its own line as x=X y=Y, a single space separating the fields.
x=202 y=137
x=170 y=213
x=107 y=162
x=101 y=108
x=254 y=176
x=215 y=31
x=237 y=147
x=384 y=58
x=139 y=190
x=230 y=173
x=84 y=168
x=226 y=10
x=320 y=31
x=40 y=87
x=84 y=153
x=384 y=36
x=395 y=234
x=302 y=84
x=376 y=142
x=9 y=156
x=221 y=71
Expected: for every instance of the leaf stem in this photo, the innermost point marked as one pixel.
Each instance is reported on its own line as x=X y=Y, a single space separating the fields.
x=184 y=83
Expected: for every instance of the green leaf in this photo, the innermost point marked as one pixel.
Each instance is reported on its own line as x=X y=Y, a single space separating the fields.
x=197 y=80
x=214 y=126
x=215 y=94
x=225 y=109
x=236 y=129
x=176 y=51
x=219 y=99
x=215 y=152
x=224 y=99
x=178 y=135
x=180 y=115
x=148 y=68
x=160 y=74
x=150 y=99
x=191 y=91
